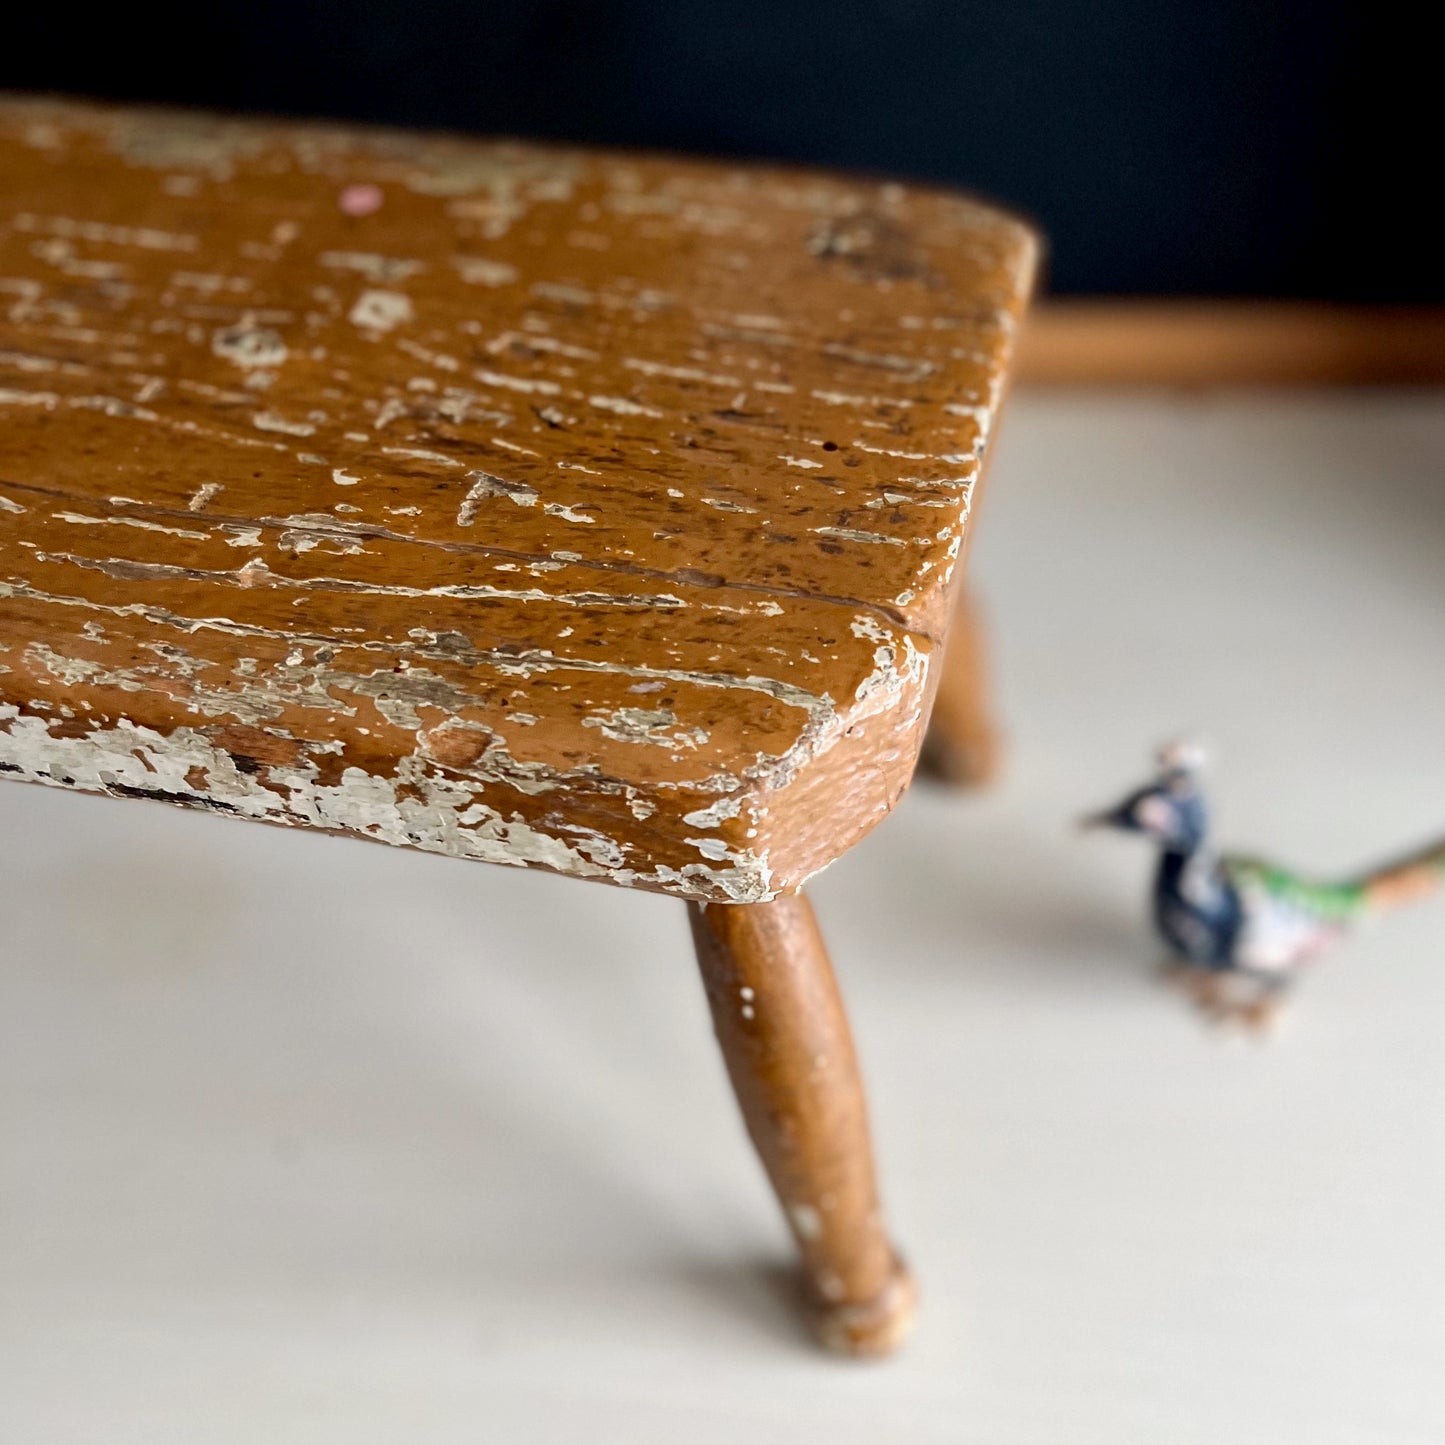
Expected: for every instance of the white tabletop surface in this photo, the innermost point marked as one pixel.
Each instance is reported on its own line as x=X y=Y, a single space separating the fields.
x=310 y=1141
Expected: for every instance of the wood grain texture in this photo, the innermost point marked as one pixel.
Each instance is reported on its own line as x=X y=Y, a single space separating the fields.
x=536 y=506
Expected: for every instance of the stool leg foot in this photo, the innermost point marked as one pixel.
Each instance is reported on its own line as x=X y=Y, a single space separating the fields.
x=962 y=745
x=785 y=1038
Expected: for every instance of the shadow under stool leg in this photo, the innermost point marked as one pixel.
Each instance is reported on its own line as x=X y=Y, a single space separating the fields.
x=784 y=1035
x=962 y=746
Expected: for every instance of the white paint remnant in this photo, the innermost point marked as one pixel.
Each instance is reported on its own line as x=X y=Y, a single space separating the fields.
x=680 y=373
x=976 y=414
x=479 y=271
x=889 y=679
x=274 y=421
x=568 y=514
x=373 y=267
x=143 y=237
x=439 y=359
x=393 y=408
x=23 y=361
x=656 y=726
x=712 y=816
x=422 y=454
x=379 y=311
x=909 y=368
x=517 y=383
x=536 y=341
x=209 y=283
x=248 y=346
x=622 y=406
x=567 y=295
x=806 y=463
x=521 y=451
x=849 y=534
x=485 y=485
x=6 y=505
x=83 y=520
x=421 y=807
x=863 y=446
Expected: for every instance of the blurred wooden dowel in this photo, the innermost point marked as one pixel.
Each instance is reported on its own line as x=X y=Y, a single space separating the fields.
x=1245 y=343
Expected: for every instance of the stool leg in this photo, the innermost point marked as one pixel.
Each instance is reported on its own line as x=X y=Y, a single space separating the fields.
x=785 y=1038
x=962 y=745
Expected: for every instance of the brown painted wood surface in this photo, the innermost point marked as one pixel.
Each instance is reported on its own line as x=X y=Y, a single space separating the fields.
x=789 y=1053
x=531 y=505
x=1231 y=343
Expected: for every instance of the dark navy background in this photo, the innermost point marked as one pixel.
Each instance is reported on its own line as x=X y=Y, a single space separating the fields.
x=1235 y=147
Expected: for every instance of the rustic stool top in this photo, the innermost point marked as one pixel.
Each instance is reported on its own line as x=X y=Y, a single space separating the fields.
x=532 y=505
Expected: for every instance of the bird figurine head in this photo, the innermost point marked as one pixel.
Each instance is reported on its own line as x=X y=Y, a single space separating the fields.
x=1171 y=809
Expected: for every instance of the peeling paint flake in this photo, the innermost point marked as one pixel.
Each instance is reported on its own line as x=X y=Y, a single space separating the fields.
x=479 y=271
x=852 y=534
x=250 y=347
x=622 y=406
x=657 y=727
x=379 y=311
x=483 y=486
x=373 y=267
x=273 y=421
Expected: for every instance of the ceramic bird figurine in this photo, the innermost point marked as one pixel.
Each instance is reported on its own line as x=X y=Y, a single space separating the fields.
x=1240 y=930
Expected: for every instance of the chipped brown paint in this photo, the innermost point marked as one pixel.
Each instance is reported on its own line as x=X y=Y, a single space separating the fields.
x=555 y=507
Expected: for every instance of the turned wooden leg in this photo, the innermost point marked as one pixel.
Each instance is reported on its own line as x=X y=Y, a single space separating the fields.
x=780 y=1021
x=962 y=745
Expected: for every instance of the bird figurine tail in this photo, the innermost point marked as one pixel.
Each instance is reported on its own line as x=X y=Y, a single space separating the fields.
x=1403 y=881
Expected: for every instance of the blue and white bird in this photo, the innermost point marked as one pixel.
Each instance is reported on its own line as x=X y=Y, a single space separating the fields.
x=1241 y=929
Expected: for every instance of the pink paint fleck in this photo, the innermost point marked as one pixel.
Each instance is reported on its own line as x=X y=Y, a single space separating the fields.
x=361 y=200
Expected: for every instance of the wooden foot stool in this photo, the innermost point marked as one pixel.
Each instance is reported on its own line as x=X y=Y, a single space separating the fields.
x=558 y=508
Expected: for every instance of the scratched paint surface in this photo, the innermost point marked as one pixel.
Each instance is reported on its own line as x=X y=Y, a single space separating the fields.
x=529 y=505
